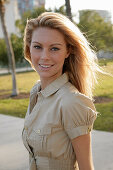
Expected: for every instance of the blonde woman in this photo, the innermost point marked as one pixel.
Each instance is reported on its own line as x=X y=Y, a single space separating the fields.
x=61 y=113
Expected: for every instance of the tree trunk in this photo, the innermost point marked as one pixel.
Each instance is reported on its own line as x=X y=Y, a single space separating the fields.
x=10 y=52
x=68 y=9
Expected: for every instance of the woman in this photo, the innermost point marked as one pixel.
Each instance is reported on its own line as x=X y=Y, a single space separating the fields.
x=61 y=113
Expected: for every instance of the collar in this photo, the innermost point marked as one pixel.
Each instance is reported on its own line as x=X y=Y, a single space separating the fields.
x=54 y=86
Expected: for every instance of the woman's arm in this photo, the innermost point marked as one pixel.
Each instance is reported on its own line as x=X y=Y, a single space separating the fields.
x=83 y=151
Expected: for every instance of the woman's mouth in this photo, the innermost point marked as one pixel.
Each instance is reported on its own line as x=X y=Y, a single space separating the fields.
x=45 y=66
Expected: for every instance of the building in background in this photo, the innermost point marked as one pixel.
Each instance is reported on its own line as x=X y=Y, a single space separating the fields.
x=13 y=11
x=11 y=15
x=105 y=14
x=25 y=5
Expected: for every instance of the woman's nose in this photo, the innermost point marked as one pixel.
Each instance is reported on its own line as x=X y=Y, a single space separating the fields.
x=45 y=54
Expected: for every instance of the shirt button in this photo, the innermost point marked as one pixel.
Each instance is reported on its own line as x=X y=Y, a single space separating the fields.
x=38 y=131
x=89 y=129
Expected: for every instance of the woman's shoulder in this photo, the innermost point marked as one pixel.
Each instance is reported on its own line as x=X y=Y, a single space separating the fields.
x=78 y=112
x=71 y=96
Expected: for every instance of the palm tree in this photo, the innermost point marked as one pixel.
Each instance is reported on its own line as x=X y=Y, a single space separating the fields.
x=68 y=9
x=10 y=52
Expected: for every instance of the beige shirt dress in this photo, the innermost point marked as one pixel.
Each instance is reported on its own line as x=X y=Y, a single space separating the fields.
x=56 y=115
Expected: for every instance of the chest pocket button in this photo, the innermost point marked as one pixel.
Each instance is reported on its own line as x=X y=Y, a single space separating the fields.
x=38 y=131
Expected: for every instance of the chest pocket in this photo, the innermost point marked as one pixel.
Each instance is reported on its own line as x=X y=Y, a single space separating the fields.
x=38 y=138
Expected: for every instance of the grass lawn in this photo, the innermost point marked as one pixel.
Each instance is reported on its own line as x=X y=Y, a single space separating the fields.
x=105 y=83
x=13 y=107
x=104 y=119
x=25 y=81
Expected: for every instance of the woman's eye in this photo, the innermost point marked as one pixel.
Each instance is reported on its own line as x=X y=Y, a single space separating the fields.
x=37 y=47
x=55 y=49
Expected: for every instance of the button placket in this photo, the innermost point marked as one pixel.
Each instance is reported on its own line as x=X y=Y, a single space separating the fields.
x=40 y=97
x=41 y=137
x=33 y=115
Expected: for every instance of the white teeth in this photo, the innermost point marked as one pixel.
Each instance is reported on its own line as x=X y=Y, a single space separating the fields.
x=45 y=66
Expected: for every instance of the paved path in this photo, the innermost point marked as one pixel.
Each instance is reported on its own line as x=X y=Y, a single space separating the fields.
x=13 y=155
x=22 y=69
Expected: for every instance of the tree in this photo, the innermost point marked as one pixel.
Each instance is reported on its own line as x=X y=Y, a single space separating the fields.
x=27 y=15
x=10 y=52
x=60 y=10
x=33 y=14
x=17 y=44
x=68 y=9
x=99 y=32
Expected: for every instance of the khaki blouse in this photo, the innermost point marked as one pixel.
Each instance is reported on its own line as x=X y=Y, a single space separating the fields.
x=56 y=115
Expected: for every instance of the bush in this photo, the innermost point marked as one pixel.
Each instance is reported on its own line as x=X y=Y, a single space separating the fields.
x=3 y=53
x=17 y=44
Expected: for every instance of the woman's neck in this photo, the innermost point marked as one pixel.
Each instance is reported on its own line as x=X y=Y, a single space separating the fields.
x=45 y=81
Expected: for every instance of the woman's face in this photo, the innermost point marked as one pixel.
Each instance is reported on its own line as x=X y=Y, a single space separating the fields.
x=48 y=52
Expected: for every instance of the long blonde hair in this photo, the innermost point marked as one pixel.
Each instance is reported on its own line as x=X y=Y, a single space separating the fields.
x=81 y=64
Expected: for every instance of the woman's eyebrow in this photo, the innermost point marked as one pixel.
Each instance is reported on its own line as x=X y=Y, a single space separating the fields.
x=50 y=44
x=56 y=44
x=36 y=42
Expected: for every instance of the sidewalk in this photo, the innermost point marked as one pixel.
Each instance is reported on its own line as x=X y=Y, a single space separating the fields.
x=13 y=155
x=18 y=70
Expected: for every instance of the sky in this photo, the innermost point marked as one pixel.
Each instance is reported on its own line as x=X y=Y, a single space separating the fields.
x=83 y=4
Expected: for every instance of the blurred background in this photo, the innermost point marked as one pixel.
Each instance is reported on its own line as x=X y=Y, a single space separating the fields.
x=94 y=18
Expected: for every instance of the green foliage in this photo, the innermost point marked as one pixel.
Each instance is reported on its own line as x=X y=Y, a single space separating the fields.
x=28 y=15
x=34 y=14
x=99 y=32
x=61 y=10
x=17 y=44
x=3 y=53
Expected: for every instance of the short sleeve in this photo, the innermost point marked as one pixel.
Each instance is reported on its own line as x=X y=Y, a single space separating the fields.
x=78 y=115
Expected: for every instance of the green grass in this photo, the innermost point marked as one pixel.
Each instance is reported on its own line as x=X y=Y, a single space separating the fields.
x=13 y=107
x=104 y=87
x=105 y=82
x=104 y=119
x=24 y=82
x=16 y=107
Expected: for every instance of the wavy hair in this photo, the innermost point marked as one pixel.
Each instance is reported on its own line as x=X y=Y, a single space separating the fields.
x=81 y=65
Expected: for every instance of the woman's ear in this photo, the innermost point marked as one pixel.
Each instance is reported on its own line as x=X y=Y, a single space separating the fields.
x=68 y=51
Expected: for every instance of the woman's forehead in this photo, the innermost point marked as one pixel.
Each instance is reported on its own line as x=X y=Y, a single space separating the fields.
x=47 y=34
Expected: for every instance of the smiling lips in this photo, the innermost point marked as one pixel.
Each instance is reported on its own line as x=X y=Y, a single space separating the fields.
x=45 y=66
